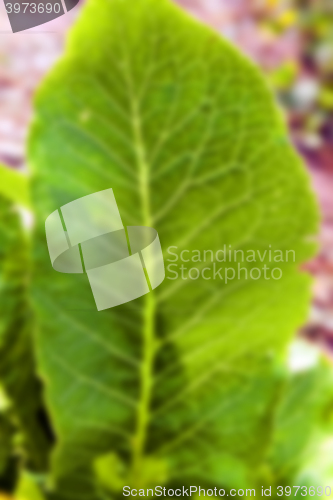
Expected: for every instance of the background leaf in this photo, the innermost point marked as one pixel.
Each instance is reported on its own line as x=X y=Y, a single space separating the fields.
x=28 y=488
x=299 y=425
x=185 y=131
x=21 y=385
x=8 y=462
x=14 y=186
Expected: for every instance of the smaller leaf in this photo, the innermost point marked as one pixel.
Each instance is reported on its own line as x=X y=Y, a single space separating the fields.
x=28 y=488
x=21 y=386
x=299 y=420
x=14 y=186
x=9 y=463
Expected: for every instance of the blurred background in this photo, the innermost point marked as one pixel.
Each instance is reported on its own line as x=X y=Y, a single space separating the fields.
x=291 y=40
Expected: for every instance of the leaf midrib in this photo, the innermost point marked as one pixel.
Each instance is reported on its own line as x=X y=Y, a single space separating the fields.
x=148 y=354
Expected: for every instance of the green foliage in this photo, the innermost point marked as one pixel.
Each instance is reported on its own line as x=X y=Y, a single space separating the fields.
x=7 y=460
x=28 y=488
x=285 y=76
x=184 y=385
x=186 y=133
x=14 y=186
x=297 y=423
x=17 y=369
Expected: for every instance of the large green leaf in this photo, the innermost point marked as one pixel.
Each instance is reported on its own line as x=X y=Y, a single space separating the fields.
x=152 y=104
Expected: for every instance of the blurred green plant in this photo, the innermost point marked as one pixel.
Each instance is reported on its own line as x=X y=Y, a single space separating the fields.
x=310 y=111
x=15 y=187
x=187 y=384
x=285 y=75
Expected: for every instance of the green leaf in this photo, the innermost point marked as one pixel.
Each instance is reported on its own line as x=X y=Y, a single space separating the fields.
x=8 y=463
x=14 y=186
x=150 y=103
x=299 y=422
x=28 y=488
x=17 y=369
